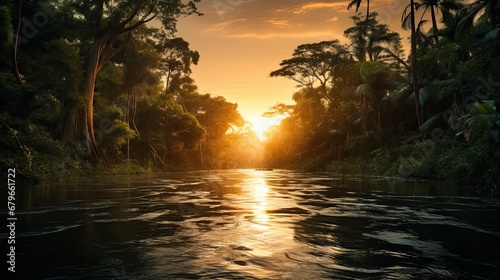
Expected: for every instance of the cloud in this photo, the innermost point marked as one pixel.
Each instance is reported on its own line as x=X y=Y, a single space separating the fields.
x=266 y=19
x=319 y=5
x=270 y=35
x=277 y=22
x=224 y=26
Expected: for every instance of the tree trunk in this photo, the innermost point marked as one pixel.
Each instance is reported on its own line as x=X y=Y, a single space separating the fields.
x=414 y=64
x=434 y=27
x=94 y=63
x=99 y=54
x=325 y=91
x=78 y=123
x=364 y=112
x=68 y=128
x=367 y=10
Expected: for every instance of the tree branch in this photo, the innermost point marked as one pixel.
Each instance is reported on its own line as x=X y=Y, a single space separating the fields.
x=16 y=42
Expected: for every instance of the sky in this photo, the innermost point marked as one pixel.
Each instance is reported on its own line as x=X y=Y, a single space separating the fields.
x=241 y=41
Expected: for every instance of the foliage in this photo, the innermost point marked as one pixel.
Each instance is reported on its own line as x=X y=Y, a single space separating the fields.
x=370 y=124
x=311 y=63
x=33 y=152
x=97 y=84
x=92 y=91
x=369 y=38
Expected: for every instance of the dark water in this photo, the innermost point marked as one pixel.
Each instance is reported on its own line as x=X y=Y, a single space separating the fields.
x=247 y=224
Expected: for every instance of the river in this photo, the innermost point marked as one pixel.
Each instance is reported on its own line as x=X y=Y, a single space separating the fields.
x=250 y=224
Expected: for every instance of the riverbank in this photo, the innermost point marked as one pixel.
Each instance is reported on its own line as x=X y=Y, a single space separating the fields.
x=473 y=168
x=470 y=168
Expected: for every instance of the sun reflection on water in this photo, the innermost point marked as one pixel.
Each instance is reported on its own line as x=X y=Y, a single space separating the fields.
x=250 y=232
x=259 y=196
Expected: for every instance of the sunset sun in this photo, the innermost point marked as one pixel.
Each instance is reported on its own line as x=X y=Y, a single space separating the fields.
x=261 y=125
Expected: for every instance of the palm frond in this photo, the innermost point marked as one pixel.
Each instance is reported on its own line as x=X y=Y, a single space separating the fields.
x=354 y=2
x=465 y=25
x=444 y=83
x=491 y=35
x=398 y=59
x=406 y=16
x=363 y=89
x=427 y=93
x=426 y=126
x=400 y=93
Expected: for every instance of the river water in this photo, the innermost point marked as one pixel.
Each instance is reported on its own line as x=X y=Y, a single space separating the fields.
x=249 y=224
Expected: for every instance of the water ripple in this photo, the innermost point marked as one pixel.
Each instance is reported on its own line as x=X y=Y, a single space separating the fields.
x=246 y=224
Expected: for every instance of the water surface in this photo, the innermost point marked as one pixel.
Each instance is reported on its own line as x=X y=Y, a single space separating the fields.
x=247 y=224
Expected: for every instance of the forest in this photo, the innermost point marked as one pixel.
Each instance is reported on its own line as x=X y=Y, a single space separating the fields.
x=105 y=87
x=92 y=87
x=366 y=108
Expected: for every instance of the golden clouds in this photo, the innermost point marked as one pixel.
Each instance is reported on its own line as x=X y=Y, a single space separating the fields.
x=319 y=5
x=265 y=19
x=225 y=26
x=277 y=22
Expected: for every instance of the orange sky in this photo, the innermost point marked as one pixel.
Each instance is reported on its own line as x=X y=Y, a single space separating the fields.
x=241 y=41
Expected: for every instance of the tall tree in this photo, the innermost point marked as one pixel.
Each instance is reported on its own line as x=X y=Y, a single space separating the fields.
x=358 y=3
x=414 y=63
x=433 y=6
x=176 y=60
x=369 y=37
x=218 y=117
x=311 y=63
x=115 y=21
x=376 y=80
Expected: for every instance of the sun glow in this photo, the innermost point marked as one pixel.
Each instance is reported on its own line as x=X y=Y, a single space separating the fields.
x=259 y=194
x=261 y=125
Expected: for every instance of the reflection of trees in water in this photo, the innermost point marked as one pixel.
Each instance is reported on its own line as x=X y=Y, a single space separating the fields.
x=201 y=224
x=364 y=231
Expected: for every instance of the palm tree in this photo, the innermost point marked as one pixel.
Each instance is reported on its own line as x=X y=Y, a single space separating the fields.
x=432 y=5
x=369 y=37
x=443 y=6
x=414 y=63
x=450 y=20
x=358 y=3
x=478 y=8
x=376 y=77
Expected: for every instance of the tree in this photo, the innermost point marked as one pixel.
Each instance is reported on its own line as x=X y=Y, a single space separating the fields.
x=114 y=23
x=487 y=12
x=369 y=38
x=443 y=6
x=376 y=84
x=358 y=3
x=414 y=63
x=432 y=5
x=220 y=119
x=311 y=63
x=176 y=61
x=6 y=32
